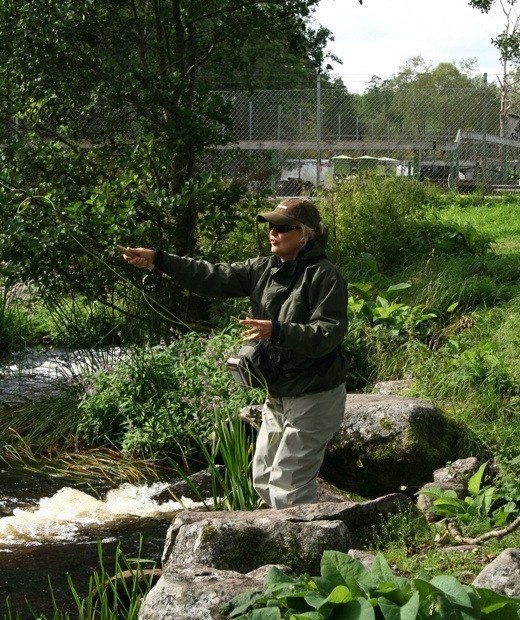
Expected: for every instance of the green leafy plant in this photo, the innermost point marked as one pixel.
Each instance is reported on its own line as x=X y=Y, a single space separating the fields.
x=383 y=312
x=232 y=484
x=346 y=590
x=481 y=502
x=159 y=399
x=464 y=239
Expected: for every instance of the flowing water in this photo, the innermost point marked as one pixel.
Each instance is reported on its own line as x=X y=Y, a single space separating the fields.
x=51 y=529
x=48 y=530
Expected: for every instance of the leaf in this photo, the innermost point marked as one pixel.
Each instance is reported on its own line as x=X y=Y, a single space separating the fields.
x=392 y=611
x=425 y=587
x=393 y=291
x=242 y=602
x=494 y=604
x=392 y=592
x=360 y=609
x=267 y=613
x=399 y=287
x=476 y=480
x=339 y=567
x=340 y=594
x=437 y=492
x=380 y=570
x=463 y=597
x=315 y=600
x=275 y=575
x=363 y=290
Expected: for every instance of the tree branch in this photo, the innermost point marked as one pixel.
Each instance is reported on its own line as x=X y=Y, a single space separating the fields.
x=454 y=530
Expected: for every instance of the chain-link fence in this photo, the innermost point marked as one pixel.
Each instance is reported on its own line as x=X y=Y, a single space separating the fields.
x=288 y=142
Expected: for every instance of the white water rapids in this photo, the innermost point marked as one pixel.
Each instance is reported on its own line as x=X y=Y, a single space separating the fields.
x=71 y=515
x=50 y=529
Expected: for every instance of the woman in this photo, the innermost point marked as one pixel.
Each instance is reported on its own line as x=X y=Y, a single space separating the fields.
x=305 y=401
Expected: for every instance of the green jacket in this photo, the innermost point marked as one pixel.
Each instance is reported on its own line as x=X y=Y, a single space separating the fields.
x=311 y=322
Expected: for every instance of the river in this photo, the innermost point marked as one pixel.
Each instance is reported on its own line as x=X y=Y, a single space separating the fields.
x=51 y=527
x=48 y=530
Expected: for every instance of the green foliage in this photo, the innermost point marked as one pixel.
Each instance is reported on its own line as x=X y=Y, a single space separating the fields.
x=14 y=323
x=232 y=445
x=163 y=398
x=384 y=313
x=69 y=235
x=111 y=136
x=481 y=502
x=396 y=220
x=407 y=529
x=379 y=321
x=347 y=590
x=464 y=239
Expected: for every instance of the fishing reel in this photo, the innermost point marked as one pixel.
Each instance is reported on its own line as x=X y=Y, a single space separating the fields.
x=151 y=283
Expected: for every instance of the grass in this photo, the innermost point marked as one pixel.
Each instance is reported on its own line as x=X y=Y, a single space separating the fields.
x=412 y=545
x=497 y=217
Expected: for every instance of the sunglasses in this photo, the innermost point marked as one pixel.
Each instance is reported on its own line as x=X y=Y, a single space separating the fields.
x=283 y=228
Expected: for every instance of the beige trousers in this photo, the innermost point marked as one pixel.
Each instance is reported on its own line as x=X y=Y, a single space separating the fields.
x=291 y=445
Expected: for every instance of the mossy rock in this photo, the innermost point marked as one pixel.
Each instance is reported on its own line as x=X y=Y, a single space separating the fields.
x=387 y=444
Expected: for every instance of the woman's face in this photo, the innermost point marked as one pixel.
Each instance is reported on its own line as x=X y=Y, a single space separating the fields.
x=286 y=241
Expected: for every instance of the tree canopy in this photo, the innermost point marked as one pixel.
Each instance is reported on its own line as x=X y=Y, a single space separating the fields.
x=106 y=107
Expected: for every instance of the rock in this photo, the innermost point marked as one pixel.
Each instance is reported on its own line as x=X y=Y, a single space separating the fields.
x=209 y=557
x=367 y=559
x=458 y=472
x=246 y=544
x=244 y=541
x=198 y=485
x=194 y=592
x=329 y=493
x=390 y=388
x=502 y=575
x=386 y=443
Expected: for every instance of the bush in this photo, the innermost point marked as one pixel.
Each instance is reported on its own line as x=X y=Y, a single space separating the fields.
x=396 y=220
x=346 y=589
x=163 y=398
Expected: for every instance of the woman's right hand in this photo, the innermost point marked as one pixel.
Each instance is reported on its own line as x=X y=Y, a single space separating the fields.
x=140 y=257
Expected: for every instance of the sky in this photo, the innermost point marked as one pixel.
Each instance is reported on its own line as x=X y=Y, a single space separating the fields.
x=379 y=36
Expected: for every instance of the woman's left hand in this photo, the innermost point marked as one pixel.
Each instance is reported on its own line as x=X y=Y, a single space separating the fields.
x=258 y=329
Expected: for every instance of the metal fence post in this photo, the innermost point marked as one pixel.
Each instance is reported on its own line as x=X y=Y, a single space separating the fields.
x=318 y=130
x=484 y=131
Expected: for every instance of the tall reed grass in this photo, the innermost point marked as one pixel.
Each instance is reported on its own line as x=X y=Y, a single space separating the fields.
x=116 y=593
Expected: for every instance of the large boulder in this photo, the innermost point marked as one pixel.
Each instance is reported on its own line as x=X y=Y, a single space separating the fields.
x=209 y=557
x=502 y=575
x=387 y=443
x=296 y=537
x=194 y=592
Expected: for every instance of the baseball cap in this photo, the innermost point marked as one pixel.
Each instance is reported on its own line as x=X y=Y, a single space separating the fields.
x=291 y=211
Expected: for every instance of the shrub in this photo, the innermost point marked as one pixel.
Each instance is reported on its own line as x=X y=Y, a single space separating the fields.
x=394 y=219
x=158 y=399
